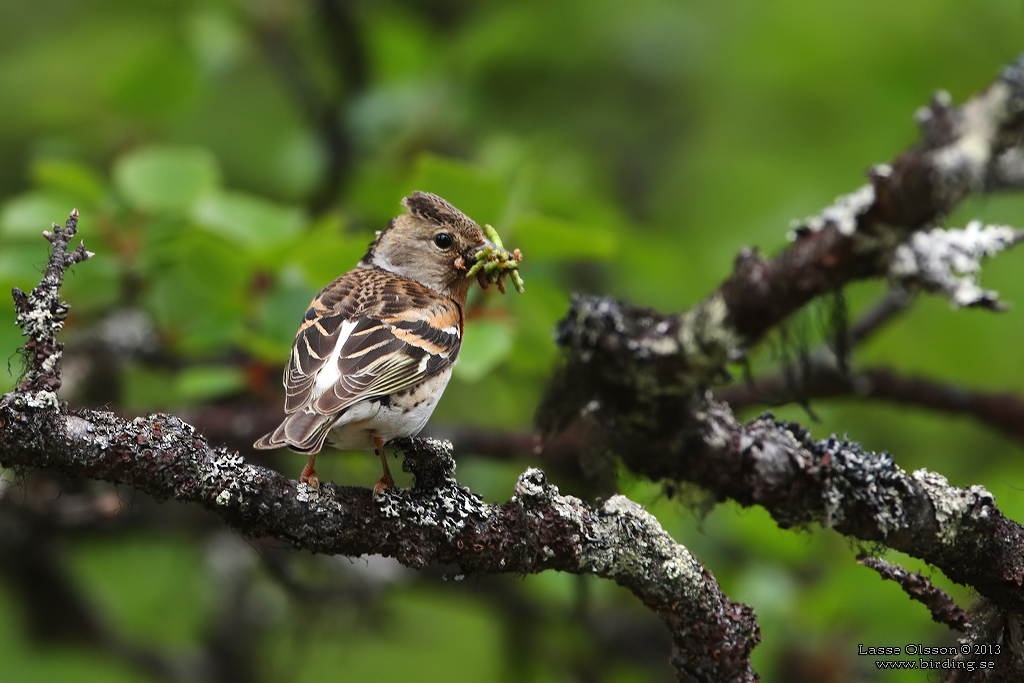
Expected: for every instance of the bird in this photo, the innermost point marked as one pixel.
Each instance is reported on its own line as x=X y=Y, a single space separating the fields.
x=376 y=347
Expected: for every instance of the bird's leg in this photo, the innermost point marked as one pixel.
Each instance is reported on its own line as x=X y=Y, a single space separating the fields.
x=309 y=473
x=386 y=481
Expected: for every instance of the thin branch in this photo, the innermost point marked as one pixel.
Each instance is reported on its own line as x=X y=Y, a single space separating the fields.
x=1002 y=411
x=342 y=37
x=948 y=261
x=921 y=588
x=41 y=314
x=895 y=302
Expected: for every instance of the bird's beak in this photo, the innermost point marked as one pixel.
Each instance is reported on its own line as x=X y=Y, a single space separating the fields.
x=491 y=261
x=471 y=256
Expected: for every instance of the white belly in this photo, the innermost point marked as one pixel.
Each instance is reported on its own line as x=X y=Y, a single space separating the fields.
x=406 y=415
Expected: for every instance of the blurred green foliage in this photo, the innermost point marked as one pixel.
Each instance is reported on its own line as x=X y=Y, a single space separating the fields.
x=627 y=148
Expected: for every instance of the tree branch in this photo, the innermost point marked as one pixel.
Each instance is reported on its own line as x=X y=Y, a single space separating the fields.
x=960 y=151
x=1003 y=411
x=921 y=588
x=323 y=110
x=637 y=378
x=436 y=522
x=41 y=314
x=878 y=316
x=663 y=434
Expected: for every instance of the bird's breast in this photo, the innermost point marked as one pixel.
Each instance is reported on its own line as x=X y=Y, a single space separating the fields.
x=400 y=414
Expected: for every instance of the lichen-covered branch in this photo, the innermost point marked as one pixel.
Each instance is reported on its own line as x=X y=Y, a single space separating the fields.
x=947 y=261
x=632 y=401
x=921 y=588
x=637 y=378
x=962 y=150
x=41 y=314
x=436 y=522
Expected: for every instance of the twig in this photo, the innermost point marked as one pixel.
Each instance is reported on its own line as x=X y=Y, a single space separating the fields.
x=921 y=588
x=41 y=314
x=853 y=239
x=881 y=314
x=1003 y=411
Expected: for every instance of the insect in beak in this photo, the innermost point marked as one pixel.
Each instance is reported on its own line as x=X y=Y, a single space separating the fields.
x=492 y=262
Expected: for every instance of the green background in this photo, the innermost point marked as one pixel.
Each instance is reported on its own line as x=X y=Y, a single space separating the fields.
x=629 y=149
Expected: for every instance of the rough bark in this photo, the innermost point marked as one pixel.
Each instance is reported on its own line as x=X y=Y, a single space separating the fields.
x=637 y=379
x=436 y=522
x=663 y=434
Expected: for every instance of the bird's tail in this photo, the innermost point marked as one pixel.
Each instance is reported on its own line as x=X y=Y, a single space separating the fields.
x=301 y=431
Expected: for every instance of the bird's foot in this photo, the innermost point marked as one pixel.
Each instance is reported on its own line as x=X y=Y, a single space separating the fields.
x=309 y=475
x=386 y=482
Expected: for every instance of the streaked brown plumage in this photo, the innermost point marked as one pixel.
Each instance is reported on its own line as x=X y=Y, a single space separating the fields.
x=376 y=348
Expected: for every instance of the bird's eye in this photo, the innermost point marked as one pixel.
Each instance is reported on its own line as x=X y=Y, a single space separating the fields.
x=443 y=241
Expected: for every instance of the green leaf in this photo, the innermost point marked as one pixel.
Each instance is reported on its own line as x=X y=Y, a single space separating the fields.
x=485 y=344
x=95 y=285
x=157 y=389
x=375 y=192
x=217 y=38
x=299 y=164
x=107 y=570
x=165 y=178
x=536 y=314
x=542 y=237
x=21 y=265
x=75 y=178
x=247 y=220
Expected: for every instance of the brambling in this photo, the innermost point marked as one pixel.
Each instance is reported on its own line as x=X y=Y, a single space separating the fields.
x=376 y=348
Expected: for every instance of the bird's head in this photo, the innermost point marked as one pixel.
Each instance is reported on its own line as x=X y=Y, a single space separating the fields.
x=434 y=244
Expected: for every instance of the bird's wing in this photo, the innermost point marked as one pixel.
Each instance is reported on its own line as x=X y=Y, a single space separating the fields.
x=368 y=334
